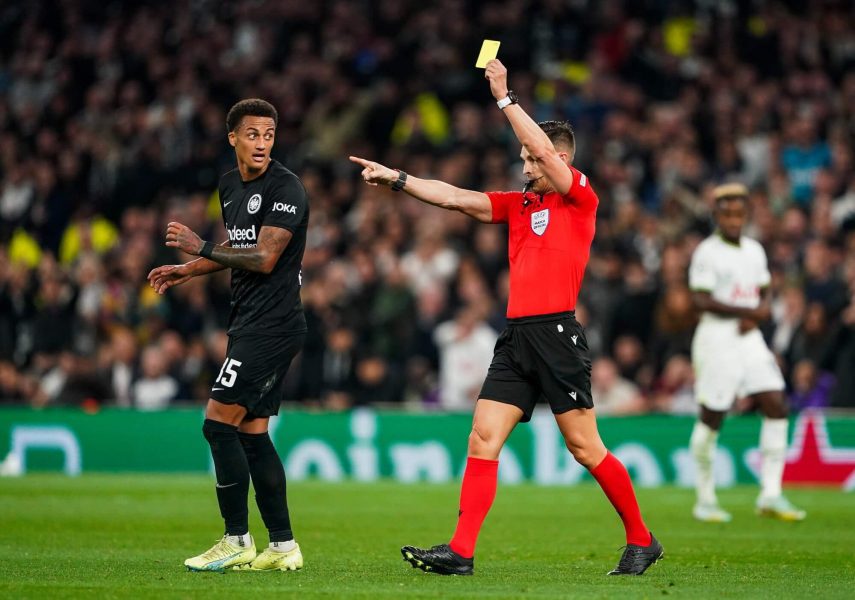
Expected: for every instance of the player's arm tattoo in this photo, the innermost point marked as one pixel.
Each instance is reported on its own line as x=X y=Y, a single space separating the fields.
x=272 y=241
x=204 y=266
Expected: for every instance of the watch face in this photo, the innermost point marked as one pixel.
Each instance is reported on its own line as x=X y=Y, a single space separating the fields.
x=512 y=96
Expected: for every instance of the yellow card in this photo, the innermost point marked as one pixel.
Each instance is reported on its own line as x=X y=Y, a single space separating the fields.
x=489 y=51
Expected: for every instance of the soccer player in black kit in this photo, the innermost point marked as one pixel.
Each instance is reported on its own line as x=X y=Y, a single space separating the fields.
x=266 y=213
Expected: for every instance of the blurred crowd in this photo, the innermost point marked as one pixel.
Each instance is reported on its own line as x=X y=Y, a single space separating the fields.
x=112 y=123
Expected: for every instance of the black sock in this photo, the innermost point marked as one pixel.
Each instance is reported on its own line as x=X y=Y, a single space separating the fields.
x=232 y=471
x=268 y=479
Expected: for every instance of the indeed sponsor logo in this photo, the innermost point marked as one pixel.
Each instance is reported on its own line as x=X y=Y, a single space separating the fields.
x=241 y=235
x=282 y=207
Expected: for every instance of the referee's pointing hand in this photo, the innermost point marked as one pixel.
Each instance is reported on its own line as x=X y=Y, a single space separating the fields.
x=374 y=173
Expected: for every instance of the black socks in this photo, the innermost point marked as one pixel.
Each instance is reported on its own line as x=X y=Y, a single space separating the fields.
x=236 y=457
x=232 y=468
x=268 y=479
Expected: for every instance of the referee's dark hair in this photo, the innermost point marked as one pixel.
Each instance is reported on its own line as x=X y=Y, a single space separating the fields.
x=250 y=107
x=560 y=133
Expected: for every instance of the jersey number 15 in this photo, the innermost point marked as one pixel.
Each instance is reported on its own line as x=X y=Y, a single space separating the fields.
x=229 y=371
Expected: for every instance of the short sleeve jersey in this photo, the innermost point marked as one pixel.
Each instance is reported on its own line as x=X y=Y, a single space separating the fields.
x=732 y=274
x=266 y=303
x=549 y=242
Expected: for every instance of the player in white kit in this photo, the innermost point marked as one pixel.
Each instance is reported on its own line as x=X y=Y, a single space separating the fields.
x=729 y=278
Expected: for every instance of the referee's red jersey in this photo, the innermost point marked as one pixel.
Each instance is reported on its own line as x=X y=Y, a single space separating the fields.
x=549 y=243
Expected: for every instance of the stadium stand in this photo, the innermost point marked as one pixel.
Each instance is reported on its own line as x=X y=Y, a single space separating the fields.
x=112 y=123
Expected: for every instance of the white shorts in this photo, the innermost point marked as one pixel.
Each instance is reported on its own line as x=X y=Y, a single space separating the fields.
x=730 y=366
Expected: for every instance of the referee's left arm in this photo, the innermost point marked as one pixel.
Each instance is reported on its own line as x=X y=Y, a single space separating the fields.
x=531 y=136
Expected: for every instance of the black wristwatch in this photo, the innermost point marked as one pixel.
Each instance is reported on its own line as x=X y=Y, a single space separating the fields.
x=399 y=183
x=511 y=98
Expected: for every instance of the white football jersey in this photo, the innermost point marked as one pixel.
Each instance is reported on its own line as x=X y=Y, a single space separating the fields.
x=732 y=274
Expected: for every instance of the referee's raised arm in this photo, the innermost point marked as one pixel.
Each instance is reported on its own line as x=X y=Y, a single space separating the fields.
x=537 y=146
x=430 y=191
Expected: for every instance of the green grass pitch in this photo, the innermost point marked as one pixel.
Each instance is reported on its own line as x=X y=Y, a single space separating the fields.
x=101 y=536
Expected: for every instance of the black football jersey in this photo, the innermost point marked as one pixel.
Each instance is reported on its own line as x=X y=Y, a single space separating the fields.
x=268 y=304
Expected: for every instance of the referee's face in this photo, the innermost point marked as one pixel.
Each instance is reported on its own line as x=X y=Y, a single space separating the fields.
x=252 y=140
x=533 y=173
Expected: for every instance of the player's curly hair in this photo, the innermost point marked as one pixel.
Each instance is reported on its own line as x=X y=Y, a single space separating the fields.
x=560 y=133
x=730 y=191
x=250 y=107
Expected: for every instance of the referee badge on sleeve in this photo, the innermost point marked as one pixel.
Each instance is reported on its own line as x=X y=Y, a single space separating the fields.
x=539 y=221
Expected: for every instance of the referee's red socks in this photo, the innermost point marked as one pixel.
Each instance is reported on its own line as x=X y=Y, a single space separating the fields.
x=614 y=479
x=476 y=498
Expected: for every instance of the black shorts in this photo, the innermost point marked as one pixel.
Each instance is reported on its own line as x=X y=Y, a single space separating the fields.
x=542 y=357
x=253 y=372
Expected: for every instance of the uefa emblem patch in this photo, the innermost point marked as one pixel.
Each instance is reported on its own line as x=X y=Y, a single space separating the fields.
x=539 y=221
x=254 y=204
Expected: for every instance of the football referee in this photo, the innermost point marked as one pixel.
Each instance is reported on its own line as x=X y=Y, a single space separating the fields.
x=543 y=352
x=266 y=213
